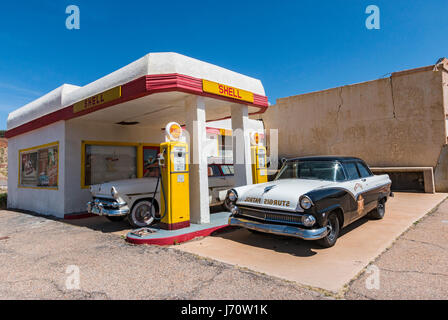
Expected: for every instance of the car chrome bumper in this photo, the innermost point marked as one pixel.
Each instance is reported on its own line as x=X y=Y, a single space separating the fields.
x=98 y=207
x=306 y=234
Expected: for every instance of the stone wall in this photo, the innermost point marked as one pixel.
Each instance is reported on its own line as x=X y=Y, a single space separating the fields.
x=398 y=121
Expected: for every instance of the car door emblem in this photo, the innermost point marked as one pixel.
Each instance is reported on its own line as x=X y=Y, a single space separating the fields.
x=360 y=204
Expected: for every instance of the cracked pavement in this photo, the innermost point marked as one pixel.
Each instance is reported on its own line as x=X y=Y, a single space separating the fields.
x=35 y=257
x=415 y=267
x=35 y=252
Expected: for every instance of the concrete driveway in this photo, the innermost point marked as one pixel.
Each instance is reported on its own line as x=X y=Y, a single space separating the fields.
x=38 y=254
x=304 y=262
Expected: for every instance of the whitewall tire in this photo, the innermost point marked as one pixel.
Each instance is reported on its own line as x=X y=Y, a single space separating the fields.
x=143 y=214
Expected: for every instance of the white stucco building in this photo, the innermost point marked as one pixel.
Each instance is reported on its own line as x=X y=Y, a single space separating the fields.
x=54 y=139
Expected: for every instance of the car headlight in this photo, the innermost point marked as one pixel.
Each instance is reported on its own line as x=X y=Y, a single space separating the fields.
x=232 y=195
x=305 y=202
x=114 y=193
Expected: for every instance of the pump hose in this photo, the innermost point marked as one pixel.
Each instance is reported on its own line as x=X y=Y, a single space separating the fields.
x=159 y=178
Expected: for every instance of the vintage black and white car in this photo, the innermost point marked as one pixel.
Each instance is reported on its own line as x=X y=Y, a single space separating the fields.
x=311 y=198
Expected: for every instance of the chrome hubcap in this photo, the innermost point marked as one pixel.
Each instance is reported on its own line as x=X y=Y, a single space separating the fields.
x=381 y=208
x=330 y=227
x=143 y=213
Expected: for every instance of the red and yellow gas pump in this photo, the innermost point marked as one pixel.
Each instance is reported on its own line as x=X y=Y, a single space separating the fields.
x=175 y=198
x=258 y=152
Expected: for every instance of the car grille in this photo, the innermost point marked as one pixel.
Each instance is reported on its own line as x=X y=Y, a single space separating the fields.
x=107 y=203
x=271 y=216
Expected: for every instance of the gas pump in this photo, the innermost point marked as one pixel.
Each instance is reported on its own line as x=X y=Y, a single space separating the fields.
x=173 y=163
x=258 y=152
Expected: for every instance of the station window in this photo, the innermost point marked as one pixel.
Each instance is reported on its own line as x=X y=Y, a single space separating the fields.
x=227 y=170
x=108 y=162
x=213 y=170
x=226 y=147
x=39 y=166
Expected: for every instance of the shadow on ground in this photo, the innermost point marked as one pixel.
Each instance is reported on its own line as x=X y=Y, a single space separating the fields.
x=283 y=244
x=102 y=224
x=95 y=223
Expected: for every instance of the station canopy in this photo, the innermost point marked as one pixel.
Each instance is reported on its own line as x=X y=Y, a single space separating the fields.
x=150 y=91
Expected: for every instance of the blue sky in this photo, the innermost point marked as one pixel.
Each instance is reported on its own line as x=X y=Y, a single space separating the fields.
x=294 y=47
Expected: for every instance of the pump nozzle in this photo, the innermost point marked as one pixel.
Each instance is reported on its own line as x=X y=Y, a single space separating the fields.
x=161 y=159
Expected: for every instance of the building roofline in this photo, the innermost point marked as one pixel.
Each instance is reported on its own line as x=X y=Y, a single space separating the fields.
x=152 y=65
x=443 y=65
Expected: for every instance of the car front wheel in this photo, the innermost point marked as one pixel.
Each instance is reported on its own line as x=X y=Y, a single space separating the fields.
x=333 y=225
x=143 y=213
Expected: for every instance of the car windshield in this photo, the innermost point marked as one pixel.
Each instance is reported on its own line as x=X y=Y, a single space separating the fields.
x=315 y=170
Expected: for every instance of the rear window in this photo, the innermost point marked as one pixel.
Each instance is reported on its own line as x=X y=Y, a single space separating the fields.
x=352 y=172
x=363 y=170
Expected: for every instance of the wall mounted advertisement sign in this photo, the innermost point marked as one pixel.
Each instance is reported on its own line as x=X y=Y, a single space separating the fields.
x=39 y=167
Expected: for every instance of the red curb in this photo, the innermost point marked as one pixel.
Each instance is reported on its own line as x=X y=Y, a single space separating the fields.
x=176 y=239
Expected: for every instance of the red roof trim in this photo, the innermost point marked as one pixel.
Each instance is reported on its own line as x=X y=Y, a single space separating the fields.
x=135 y=89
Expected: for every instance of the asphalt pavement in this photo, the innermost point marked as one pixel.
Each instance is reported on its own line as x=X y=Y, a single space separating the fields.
x=40 y=258
x=37 y=256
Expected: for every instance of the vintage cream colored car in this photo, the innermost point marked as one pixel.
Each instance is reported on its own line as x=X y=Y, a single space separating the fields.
x=135 y=198
x=132 y=198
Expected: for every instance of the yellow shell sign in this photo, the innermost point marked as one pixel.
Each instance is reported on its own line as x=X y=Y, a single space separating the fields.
x=97 y=100
x=227 y=91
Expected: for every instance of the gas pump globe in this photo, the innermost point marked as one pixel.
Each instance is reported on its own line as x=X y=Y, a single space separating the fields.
x=175 y=198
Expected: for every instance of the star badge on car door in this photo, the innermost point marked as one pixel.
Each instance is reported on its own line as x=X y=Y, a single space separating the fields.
x=360 y=204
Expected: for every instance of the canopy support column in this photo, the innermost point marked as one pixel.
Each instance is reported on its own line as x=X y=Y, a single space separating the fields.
x=241 y=145
x=195 y=125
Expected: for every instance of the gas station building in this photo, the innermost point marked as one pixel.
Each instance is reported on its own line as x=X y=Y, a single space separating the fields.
x=51 y=139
